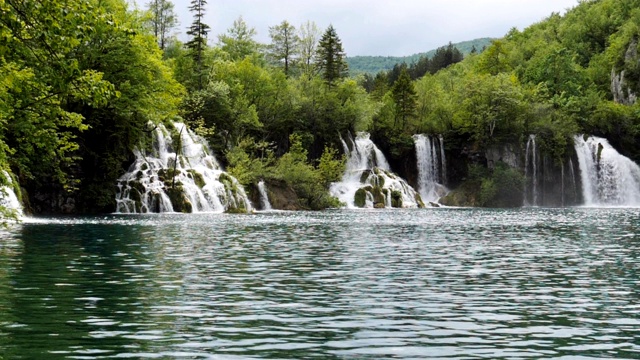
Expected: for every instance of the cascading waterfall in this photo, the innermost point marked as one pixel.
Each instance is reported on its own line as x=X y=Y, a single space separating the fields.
x=264 y=198
x=368 y=180
x=8 y=198
x=443 y=161
x=181 y=177
x=430 y=160
x=531 y=173
x=573 y=179
x=608 y=178
x=562 y=200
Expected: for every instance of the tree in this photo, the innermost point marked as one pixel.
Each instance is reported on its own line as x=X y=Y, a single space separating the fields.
x=163 y=19
x=330 y=57
x=284 y=44
x=74 y=101
x=309 y=34
x=404 y=96
x=238 y=42
x=198 y=32
x=494 y=59
x=39 y=75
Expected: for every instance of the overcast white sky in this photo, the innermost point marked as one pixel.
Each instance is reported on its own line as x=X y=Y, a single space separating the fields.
x=379 y=27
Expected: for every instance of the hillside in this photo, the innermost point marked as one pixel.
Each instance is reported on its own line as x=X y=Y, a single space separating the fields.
x=375 y=64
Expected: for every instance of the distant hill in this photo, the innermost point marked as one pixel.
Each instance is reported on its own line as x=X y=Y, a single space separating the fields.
x=375 y=64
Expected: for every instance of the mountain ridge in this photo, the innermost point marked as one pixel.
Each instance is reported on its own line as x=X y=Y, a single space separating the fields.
x=372 y=64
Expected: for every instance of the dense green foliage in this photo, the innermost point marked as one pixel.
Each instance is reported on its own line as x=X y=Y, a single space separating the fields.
x=82 y=82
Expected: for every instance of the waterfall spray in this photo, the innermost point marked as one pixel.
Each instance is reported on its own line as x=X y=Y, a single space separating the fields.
x=8 y=198
x=430 y=159
x=531 y=172
x=183 y=177
x=368 y=180
x=608 y=178
x=264 y=198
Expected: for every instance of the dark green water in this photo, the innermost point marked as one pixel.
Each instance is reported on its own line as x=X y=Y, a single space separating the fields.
x=438 y=283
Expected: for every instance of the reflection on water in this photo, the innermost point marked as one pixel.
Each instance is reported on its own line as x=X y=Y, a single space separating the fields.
x=447 y=283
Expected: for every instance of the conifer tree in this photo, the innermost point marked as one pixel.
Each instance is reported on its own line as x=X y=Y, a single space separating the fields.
x=198 y=32
x=404 y=96
x=330 y=57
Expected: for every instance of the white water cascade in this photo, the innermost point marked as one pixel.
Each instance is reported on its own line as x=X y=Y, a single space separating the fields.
x=531 y=188
x=264 y=198
x=8 y=198
x=180 y=177
x=443 y=162
x=368 y=181
x=608 y=178
x=431 y=165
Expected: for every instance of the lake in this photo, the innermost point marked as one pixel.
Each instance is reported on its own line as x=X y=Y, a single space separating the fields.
x=370 y=284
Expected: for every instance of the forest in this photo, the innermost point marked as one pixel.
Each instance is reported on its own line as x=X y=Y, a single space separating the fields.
x=375 y=64
x=84 y=82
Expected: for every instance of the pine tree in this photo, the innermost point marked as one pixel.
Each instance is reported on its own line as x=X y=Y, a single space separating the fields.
x=198 y=32
x=404 y=96
x=284 y=44
x=163 y=19
x=330 y=57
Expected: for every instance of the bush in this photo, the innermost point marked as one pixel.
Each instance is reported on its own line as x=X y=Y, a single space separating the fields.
x=309 y=183
x=504 y=188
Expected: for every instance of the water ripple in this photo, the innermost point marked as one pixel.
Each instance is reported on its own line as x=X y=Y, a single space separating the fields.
x=437 y=283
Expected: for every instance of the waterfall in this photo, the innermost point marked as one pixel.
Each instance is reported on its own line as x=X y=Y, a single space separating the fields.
x=8 y=198
x=368 y=180
x=264 y=199
x=531 y=173
x=562 y=183
x=608 y=178
x=573 y=180
x=180 y=177
x=443 y=161
x=430 y=160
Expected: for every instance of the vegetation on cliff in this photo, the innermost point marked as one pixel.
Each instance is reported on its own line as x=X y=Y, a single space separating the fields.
x=82 y=80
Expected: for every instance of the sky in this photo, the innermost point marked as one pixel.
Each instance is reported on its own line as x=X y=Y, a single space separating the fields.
x=378 y=27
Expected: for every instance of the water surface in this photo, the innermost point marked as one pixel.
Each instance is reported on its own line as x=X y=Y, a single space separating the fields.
x=431 y=283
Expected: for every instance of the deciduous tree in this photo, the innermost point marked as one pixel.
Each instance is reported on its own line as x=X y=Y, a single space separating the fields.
x=163 y=20
x=284 y=45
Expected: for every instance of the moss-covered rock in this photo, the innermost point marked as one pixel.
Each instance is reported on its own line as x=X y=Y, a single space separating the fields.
x=365 y=176
x=396 y=199
x=225 y=178
x=360 y=198
x=236 y=210
x=465 y=195
x=378 y=196
x=179 y=200
x=197 y=178
x=282 y=196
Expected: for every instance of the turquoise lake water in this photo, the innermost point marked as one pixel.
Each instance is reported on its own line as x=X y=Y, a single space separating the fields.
x=379 y=284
